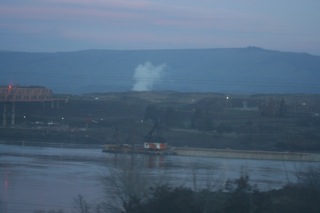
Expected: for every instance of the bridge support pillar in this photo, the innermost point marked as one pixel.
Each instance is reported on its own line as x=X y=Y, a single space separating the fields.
x=4 y=122
x=13 y=114
x=55 y=104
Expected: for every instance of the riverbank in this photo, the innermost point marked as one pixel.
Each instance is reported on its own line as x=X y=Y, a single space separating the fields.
x=245 y=154
x=196 y=152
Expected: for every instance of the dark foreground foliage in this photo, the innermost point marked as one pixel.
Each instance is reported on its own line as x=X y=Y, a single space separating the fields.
x=238 y=197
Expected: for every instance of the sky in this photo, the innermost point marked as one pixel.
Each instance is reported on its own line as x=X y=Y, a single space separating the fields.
x=71 y=25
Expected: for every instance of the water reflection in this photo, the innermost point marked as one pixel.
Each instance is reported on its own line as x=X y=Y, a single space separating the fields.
x=147 y=161
x=3 y=200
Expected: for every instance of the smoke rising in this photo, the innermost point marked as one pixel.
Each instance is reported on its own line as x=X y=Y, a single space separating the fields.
x=145 y=75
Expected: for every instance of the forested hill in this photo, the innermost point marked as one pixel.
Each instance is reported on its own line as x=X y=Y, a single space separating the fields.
x=248 y=70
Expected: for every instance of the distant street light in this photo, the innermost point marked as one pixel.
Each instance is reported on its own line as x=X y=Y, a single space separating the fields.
x=227 y=101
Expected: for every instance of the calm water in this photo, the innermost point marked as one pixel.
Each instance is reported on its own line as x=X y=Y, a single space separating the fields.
x=34 y=178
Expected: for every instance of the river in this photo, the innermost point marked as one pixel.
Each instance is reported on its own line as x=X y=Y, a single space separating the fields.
x=43 y=178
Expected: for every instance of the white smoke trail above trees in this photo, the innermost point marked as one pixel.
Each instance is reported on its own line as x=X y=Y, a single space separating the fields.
x=145 y=75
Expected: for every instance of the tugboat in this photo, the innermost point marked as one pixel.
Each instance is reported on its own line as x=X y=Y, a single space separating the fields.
x=155 y=143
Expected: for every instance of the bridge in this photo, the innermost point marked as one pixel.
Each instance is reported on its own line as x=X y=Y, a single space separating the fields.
x=10 y=95
x=25 y=94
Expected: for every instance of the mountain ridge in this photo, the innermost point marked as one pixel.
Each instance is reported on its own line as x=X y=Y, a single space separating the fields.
x=247 y=70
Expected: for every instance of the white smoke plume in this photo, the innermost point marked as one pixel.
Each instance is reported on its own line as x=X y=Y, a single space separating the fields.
x=145 y=75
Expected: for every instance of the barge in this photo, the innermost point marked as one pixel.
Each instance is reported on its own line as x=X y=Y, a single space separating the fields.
x=146 y=148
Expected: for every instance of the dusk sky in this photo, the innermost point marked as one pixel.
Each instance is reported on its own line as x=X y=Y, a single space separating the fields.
x=68 y=25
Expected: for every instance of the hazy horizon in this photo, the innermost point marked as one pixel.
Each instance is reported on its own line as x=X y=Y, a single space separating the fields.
x=73 y=25
x=209 y=48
